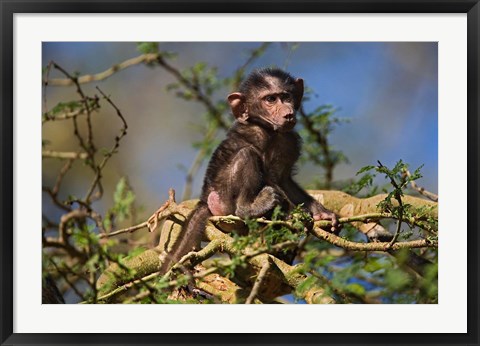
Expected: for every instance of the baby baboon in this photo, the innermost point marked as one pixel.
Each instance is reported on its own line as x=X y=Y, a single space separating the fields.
x=251 y=170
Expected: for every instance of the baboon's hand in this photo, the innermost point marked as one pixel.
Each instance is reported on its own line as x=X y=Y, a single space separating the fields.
x=269 y=197
x=319 y=212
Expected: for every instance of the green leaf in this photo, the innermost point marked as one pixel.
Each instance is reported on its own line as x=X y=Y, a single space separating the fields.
x=123 y=198
x=65 y=106
x=356 y=289
x=199 y=67
x=416 y=174
x=397 y=279
x=147 y=47
x=80 y=238
x=277 y=213
x=373 y=265
x=365 y=169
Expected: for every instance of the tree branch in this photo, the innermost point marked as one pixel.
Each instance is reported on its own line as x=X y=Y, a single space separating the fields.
x=258 y=283
x=144 y=58
x=63 y=155
x=282 y=277
x=421 y=190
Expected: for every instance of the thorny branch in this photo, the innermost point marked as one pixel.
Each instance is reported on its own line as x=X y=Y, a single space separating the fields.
x=75 y=219
x=123 y=131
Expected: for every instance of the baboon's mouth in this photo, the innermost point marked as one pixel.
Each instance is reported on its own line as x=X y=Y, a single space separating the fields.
x=286 y=126
x=290 y=123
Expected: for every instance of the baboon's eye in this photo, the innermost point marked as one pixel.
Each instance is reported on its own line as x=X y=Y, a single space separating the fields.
x=271 y=98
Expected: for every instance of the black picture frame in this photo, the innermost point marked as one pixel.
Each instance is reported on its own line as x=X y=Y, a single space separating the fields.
x=10 y=7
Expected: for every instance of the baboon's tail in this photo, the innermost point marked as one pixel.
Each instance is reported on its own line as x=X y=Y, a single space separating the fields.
x=190 y=238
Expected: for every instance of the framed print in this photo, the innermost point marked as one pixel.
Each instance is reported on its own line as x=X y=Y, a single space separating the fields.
x=317 y=161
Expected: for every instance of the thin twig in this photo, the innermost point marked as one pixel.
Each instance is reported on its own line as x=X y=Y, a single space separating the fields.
x=55 y=199
x=258 y=282
x=398 y=197
x=49 y=116
x=195 y=89
x=64 y=155
x=70 y=249
x=65 y=219
x=421 y=190
x=66 y=167
x=137 y=297
x=119 y=113
x=322 y=141
x=44 y=87
x=196 y=164
x=108 y=155
x=376 y=246
x=166 y=210
x=67 y=280
x=125 y=230
x=88 y=147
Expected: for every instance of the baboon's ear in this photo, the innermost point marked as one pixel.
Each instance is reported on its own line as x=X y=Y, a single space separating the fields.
x=238 y=106
x=298 y=92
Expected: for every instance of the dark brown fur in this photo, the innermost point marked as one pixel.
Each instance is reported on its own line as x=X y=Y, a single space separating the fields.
x=251 y=171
